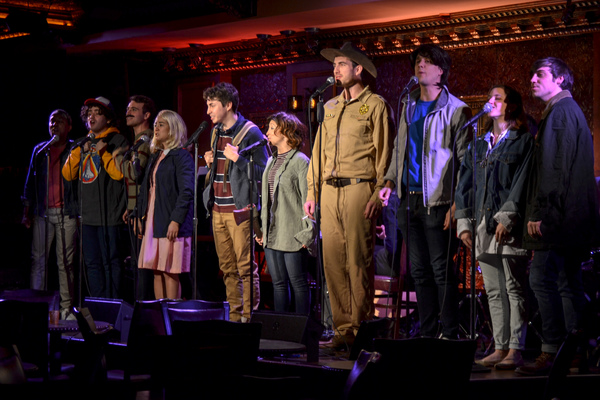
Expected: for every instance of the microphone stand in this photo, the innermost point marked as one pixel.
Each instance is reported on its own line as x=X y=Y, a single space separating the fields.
x=46 y=220
x=132 y=227
x=473 y=291
x=195 y=228
x=406 y=239
x=81 y=269
x=320 y=273
x=250 y=173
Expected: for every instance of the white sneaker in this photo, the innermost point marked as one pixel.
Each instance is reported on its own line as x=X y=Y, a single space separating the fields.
x=65 y=314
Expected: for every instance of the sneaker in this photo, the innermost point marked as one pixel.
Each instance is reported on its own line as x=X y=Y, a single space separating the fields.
x=541 y=365
x=66 y=314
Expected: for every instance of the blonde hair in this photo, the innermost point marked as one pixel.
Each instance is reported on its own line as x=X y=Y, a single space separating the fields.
x=177 y=131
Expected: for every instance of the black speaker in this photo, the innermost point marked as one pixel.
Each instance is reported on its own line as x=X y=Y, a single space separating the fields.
x=289 y=333
x=116 y=312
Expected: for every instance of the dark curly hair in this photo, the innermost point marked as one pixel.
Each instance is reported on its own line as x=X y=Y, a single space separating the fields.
x=224 y=92
x=290 y=127
x=111 y=118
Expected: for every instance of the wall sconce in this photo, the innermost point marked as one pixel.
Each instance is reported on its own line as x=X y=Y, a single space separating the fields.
x=313 y=103
x=295 y=103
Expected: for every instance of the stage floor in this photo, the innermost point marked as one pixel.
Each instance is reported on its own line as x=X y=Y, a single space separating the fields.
x=327 y=379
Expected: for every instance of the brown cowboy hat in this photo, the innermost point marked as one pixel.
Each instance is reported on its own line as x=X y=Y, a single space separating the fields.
x=348 y=50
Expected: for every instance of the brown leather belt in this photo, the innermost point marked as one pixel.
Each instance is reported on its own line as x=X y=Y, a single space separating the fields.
x=341 y=182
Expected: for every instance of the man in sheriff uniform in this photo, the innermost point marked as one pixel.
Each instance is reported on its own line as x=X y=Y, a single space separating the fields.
x=349 y=159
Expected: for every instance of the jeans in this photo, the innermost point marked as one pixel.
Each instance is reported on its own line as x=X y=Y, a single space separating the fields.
x=102 y=256
x=289 y=269
x=63 y=230
x=505 y=281
x=431 y=250
x=555 y=278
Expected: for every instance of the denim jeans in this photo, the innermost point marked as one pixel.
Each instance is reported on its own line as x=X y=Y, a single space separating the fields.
x=289 y=269
x=431 y=251
x=555 y=278
x=101 y=245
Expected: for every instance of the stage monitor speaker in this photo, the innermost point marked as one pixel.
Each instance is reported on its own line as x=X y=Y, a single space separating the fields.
x=116 y=312
x=293 y=329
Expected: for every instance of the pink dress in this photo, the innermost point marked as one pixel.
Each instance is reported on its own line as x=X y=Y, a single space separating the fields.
x=160 y=253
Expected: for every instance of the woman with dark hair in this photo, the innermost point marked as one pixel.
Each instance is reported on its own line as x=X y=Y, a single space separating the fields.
x=165 y=204
x=288 y=236
x=502 y=161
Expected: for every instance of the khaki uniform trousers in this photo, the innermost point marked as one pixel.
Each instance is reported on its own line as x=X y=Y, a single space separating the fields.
x=348 y=261
x=232 y=243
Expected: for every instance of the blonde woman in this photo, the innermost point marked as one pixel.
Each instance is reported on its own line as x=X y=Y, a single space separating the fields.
x=165 y=206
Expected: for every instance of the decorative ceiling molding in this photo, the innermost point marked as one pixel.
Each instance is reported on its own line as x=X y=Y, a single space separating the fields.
x=494 y=26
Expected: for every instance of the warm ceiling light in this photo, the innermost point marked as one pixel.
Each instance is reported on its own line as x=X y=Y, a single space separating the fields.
x=13 y=35
x=287 y=33
x=58 y=22
x=263 y=36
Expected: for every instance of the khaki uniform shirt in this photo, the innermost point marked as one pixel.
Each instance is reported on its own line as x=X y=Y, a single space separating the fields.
x=355 y=141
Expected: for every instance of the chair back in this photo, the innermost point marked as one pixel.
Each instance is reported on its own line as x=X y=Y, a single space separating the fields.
x=11 y=367
x=407 y=365
x=25 y=325
x=91 y=361
x=146 y=338
x=194 y=310
x=213 y=347
x=214 y=354
x=381 y=328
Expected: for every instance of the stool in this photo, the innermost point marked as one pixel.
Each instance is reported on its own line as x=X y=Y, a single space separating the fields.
x=386 y=297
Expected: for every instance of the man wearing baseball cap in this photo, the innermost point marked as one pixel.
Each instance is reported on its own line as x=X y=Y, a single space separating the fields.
x=350 y=155
x=102 y=194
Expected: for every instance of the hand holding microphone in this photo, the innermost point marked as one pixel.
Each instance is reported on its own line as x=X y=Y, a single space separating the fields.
x=83 y=141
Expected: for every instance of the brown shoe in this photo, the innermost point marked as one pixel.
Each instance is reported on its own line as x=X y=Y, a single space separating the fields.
x=340 y=342
x=541 y=365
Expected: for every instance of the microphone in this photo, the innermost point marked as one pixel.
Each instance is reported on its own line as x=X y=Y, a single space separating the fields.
x=253 y=146
x=49 y=143
x=195 y=135
x=330 y=81
x=86 y=139
x=487 y=107
x=143 y=139
x=411 y=83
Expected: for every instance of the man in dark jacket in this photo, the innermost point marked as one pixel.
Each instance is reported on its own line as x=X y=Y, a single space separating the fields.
x=562 y=209
x=50 y=206
x=228 y=190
